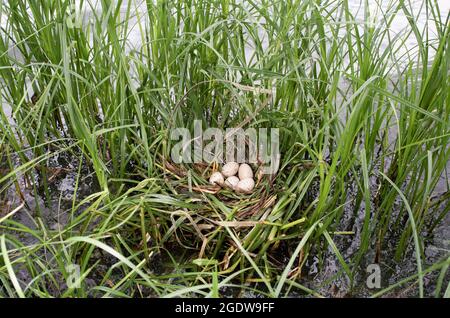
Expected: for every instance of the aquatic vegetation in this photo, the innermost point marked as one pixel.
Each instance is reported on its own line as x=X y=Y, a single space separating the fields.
x=364 y=128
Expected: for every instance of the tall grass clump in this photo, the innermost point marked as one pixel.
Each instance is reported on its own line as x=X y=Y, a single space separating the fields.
x=364 y=133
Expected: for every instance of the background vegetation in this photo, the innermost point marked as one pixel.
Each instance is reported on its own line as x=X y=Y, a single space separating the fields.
x=364 y=135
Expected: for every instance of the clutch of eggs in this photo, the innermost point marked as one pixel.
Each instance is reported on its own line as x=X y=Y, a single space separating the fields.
x=242 y=183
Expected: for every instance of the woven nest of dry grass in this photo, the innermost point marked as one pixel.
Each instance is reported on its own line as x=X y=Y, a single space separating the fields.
x=262 y=197
x=245 y=211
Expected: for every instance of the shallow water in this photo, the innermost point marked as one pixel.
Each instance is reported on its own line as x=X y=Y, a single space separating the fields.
x=400 y=23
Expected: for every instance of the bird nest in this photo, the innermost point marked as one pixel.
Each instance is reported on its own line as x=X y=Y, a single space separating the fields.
x=247 y=205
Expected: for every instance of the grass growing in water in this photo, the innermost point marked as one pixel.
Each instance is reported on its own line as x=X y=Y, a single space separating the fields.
x=364 y=134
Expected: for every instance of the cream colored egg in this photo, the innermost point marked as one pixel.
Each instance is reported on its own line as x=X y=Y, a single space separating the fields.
x=216 y=178
x=245 y=171
x=245 y=186
x=231 y=182
x=230 y=169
